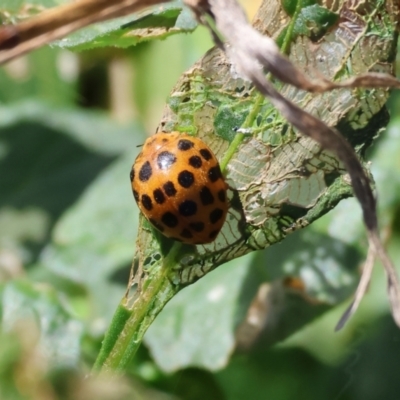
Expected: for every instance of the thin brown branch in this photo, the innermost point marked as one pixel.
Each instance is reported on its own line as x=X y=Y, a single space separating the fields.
x=59 y=22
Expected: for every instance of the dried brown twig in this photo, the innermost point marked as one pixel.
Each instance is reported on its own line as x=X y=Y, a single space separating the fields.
x=250 y=52
x=59 y=22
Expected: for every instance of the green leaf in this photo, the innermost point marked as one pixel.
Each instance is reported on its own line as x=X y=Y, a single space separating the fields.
x=158 y=23
x=95 y=238
x=273 y=374
x=48 y=156
x=314 y=21
x=227 y=121
x=27 y=305
x=197 y=326
x=327 y=266
x=310 y=19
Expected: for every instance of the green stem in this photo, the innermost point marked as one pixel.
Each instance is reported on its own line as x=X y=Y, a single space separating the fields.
x=259 y=99
x=129 y=325
x=285 y=46
x=240 y=136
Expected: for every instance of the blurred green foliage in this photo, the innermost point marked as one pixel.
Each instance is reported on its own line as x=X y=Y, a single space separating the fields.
x=67 y=236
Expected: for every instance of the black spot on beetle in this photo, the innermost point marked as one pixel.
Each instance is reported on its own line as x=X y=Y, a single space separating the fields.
x=136 y=196
x=165 y=159
x=222 y=195
x=213 y=234
x=184 y=144
x=216 y=215
x=206 y=154
x=188 y=208
x=214 y=173
x=195 y=162
x=147 y=203
x=206 y=196
x=186 y=234
x=169 y=220
x=132 y=175
x=197 y=226
x=169 y=189
x=186 y=179
x=158 y=196
x=156 y=225
x=145 y=172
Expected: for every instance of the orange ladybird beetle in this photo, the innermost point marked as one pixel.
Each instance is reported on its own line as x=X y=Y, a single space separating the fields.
x=178 y=185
